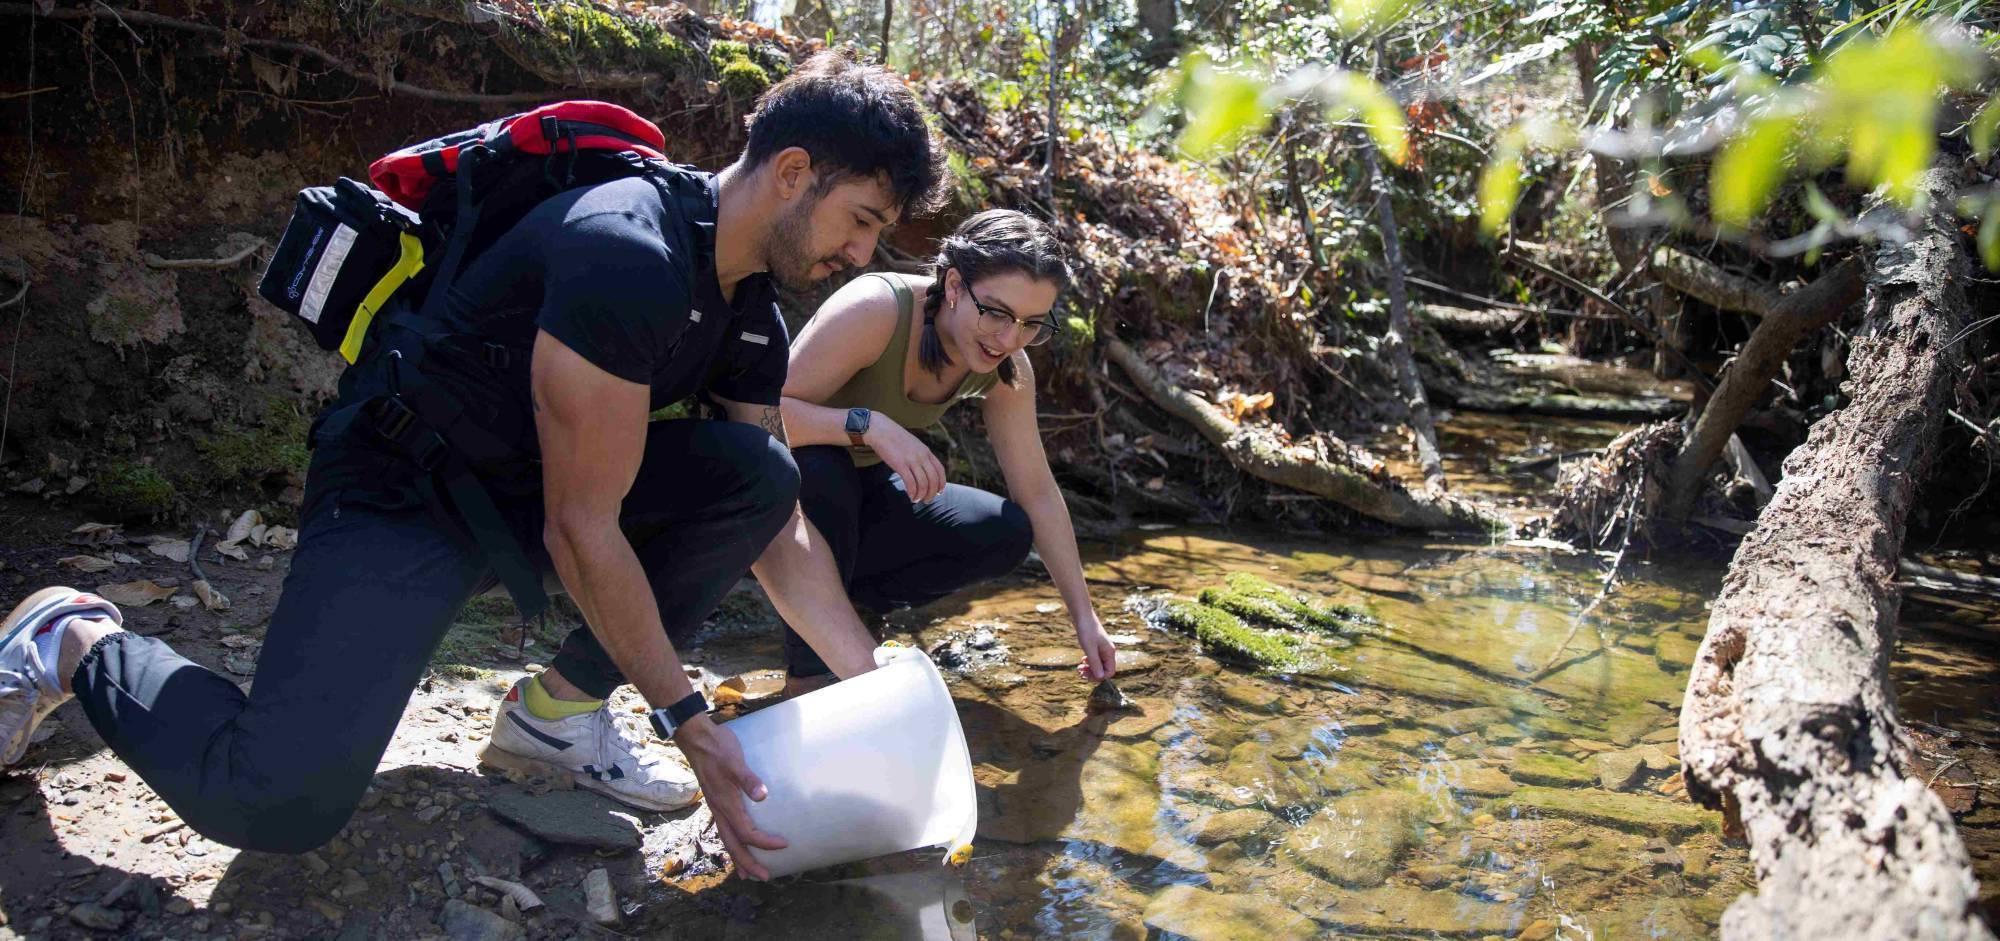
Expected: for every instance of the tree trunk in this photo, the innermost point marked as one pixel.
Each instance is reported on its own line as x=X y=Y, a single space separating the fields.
x=1396 y=342
x=888 y=16
x=1799 y=314
x=1263 y=457
x=1790 y=724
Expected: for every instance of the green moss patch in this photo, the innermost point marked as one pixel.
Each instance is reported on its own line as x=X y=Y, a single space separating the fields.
x=1256 y=600
x=744 y=80
x=275 y=445
x=596 y=37
x=132 y=489
x=1224 y=636
x=1551 y=770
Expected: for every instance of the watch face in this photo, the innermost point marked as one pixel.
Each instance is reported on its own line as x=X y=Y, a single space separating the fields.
x=857 y=421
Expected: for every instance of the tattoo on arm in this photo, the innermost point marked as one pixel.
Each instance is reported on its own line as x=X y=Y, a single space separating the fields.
x=774 y=422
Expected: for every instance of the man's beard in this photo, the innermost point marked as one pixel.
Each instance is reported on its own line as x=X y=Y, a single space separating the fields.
x=790 y=250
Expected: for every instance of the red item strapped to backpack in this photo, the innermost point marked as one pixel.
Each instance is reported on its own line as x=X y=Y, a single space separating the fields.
x=408 y=175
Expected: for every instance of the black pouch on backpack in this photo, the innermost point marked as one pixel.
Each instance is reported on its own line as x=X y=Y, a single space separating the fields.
x=343 y=255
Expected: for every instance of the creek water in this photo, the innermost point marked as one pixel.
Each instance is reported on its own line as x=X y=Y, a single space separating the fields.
x=1490 y=762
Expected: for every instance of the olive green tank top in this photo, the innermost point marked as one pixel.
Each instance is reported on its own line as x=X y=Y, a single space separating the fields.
x=878 y=386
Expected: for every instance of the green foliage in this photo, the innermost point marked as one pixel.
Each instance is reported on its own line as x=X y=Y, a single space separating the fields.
x=1257 y=600
x=273 y=446
x=133 y=490
x=1223 y=635
x=1225 y=106
x=744 y=80
x=597 y=37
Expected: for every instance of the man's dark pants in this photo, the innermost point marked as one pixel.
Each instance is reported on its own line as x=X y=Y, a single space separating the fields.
x=375 y=583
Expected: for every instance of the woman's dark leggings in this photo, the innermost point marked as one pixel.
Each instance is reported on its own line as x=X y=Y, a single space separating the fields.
x=895 y=553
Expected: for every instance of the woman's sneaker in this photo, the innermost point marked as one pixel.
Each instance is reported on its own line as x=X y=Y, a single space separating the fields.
x=29 y=687
x=594 y=749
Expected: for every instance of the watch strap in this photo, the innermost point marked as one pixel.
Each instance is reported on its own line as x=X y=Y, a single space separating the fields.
x=669 y=720
x=858 y=420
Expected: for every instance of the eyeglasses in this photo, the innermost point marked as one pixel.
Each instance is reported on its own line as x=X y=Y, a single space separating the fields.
x=996 y=322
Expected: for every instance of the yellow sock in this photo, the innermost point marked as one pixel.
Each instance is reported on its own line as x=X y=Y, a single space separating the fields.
x=543 y=706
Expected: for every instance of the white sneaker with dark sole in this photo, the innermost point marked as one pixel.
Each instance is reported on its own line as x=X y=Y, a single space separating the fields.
x=29 y=688
x=594 y=749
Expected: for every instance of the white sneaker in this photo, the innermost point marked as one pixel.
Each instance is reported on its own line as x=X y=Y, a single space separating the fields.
x=595 y=750
x=29 y=688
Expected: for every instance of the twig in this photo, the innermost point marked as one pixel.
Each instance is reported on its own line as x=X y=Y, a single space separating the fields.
x=1603 y=592
x=1947 y=766
x=1622 y=311
x=162 y=830
x=32 y=91
x=194 y=552
x=1505 y=305
x=155 y=261
x=128 y=32
x=16 y=299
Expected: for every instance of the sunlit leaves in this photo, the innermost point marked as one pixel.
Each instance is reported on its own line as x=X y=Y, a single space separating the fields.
x=1750 y=167
x=1874 y=99
x=1359 y=16
x=1222 y=107
x=1985 y=206
x=1347 y=95
x=1985 y=129
x=1500 y=181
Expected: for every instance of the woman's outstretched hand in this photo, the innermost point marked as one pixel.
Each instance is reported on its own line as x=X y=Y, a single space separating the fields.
x=1100 y=655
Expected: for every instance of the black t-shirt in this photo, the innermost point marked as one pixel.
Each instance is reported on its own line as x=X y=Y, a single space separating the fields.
x=616 y=273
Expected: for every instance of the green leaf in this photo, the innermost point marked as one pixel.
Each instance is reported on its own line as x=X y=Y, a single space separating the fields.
x=1989 y=236
x=1222 y=107
x=1357 y=16
x=1347 y=94
x=1985 y=130
x=1819 y=207
x=1749 y=168
x=1499 y=187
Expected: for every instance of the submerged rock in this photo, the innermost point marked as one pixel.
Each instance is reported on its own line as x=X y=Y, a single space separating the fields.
x=1552 y=770
x=1618 y=770
x=1230 y=826
x=1359 y=840
x=1200 y=915
x=1256 y=600
x=1246 y=693
x=1226 y=637
x=1459 y=721
x=1405 y=911
x=1630 y=812
x=1106 y=697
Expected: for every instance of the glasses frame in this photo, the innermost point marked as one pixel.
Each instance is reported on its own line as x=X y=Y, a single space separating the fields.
x=1044 y=331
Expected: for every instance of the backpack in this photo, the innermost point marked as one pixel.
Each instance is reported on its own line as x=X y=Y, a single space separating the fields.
x=355 y=255
x=350 y=248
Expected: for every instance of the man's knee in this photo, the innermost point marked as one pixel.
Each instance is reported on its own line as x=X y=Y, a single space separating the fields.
x=290 y=826
x=768 y=477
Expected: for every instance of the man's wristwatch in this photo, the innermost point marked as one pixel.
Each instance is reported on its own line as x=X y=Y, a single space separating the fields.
x=669 y=720
x=857 y=425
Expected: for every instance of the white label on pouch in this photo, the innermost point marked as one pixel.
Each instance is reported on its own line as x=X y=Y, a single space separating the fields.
x=326 y=272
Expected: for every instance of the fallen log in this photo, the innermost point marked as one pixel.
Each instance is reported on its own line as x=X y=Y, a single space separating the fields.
x=1763 y=355
x=1465 y=322
x=1705 y=281
x=1790 y=724
x=1564 y=404
x=1262 y=457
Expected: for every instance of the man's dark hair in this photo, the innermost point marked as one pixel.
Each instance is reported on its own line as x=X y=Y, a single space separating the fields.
x=854 y=120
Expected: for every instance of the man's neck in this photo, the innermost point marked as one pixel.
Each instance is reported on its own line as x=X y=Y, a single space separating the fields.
x=739 y=231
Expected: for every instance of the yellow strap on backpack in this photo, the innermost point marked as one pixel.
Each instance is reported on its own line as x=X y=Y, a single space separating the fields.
x=407 y=266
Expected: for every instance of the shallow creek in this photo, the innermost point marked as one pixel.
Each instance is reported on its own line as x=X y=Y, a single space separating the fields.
x=1421 y=786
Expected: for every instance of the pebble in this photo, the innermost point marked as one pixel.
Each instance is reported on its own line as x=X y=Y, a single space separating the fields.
x=1540 y=929
x=96 y=917
x=179 y=906
x=430 y=814
x=598 y=897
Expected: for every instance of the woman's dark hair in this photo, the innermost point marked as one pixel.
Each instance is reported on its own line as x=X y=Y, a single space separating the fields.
x=856 y=121
x=997 y=241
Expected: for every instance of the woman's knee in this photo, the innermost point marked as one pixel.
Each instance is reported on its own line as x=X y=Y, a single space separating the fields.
x=1006 y=538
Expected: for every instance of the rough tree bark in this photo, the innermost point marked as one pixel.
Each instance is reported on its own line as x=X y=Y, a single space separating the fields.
x=1465 y=322
x=1763 y=355
x=1396 y=342
x=1790 y=722
x=1262 y=457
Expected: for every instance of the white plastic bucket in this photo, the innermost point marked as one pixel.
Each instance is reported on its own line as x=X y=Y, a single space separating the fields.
x=868 y=766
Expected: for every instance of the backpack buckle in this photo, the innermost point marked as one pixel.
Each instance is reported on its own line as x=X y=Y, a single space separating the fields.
x=401 y=428
x=498 y=357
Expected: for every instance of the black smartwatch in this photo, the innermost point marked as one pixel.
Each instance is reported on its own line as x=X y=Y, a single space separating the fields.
x=669 y=720
x=857 y=425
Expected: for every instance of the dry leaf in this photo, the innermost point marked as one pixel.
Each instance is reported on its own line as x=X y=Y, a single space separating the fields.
x=522 y=896
x=175 y=549
x=124 y=558
x=281 y=537
x=210 y=598
x=240 y=641
x=135 y=594
x=86 y=563
x=1156 y=484
x=183 y=602
x=231 y=551
x=97 y=534
x=240 y=664
x=240 y=530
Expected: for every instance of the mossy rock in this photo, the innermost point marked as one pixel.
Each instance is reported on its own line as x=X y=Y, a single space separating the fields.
x=274 y=446
x=1225 y=637
x=744 y=80
x=1184 y=911
x=1630 y=812
x=1258 y=601
x=1551 y=770
x=597 y=38
x=131 y=489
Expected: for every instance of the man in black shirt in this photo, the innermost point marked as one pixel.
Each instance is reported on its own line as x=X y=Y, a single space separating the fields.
x=622 y=300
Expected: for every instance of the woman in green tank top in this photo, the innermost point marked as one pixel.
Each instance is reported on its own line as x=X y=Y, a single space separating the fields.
x=889 y=354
